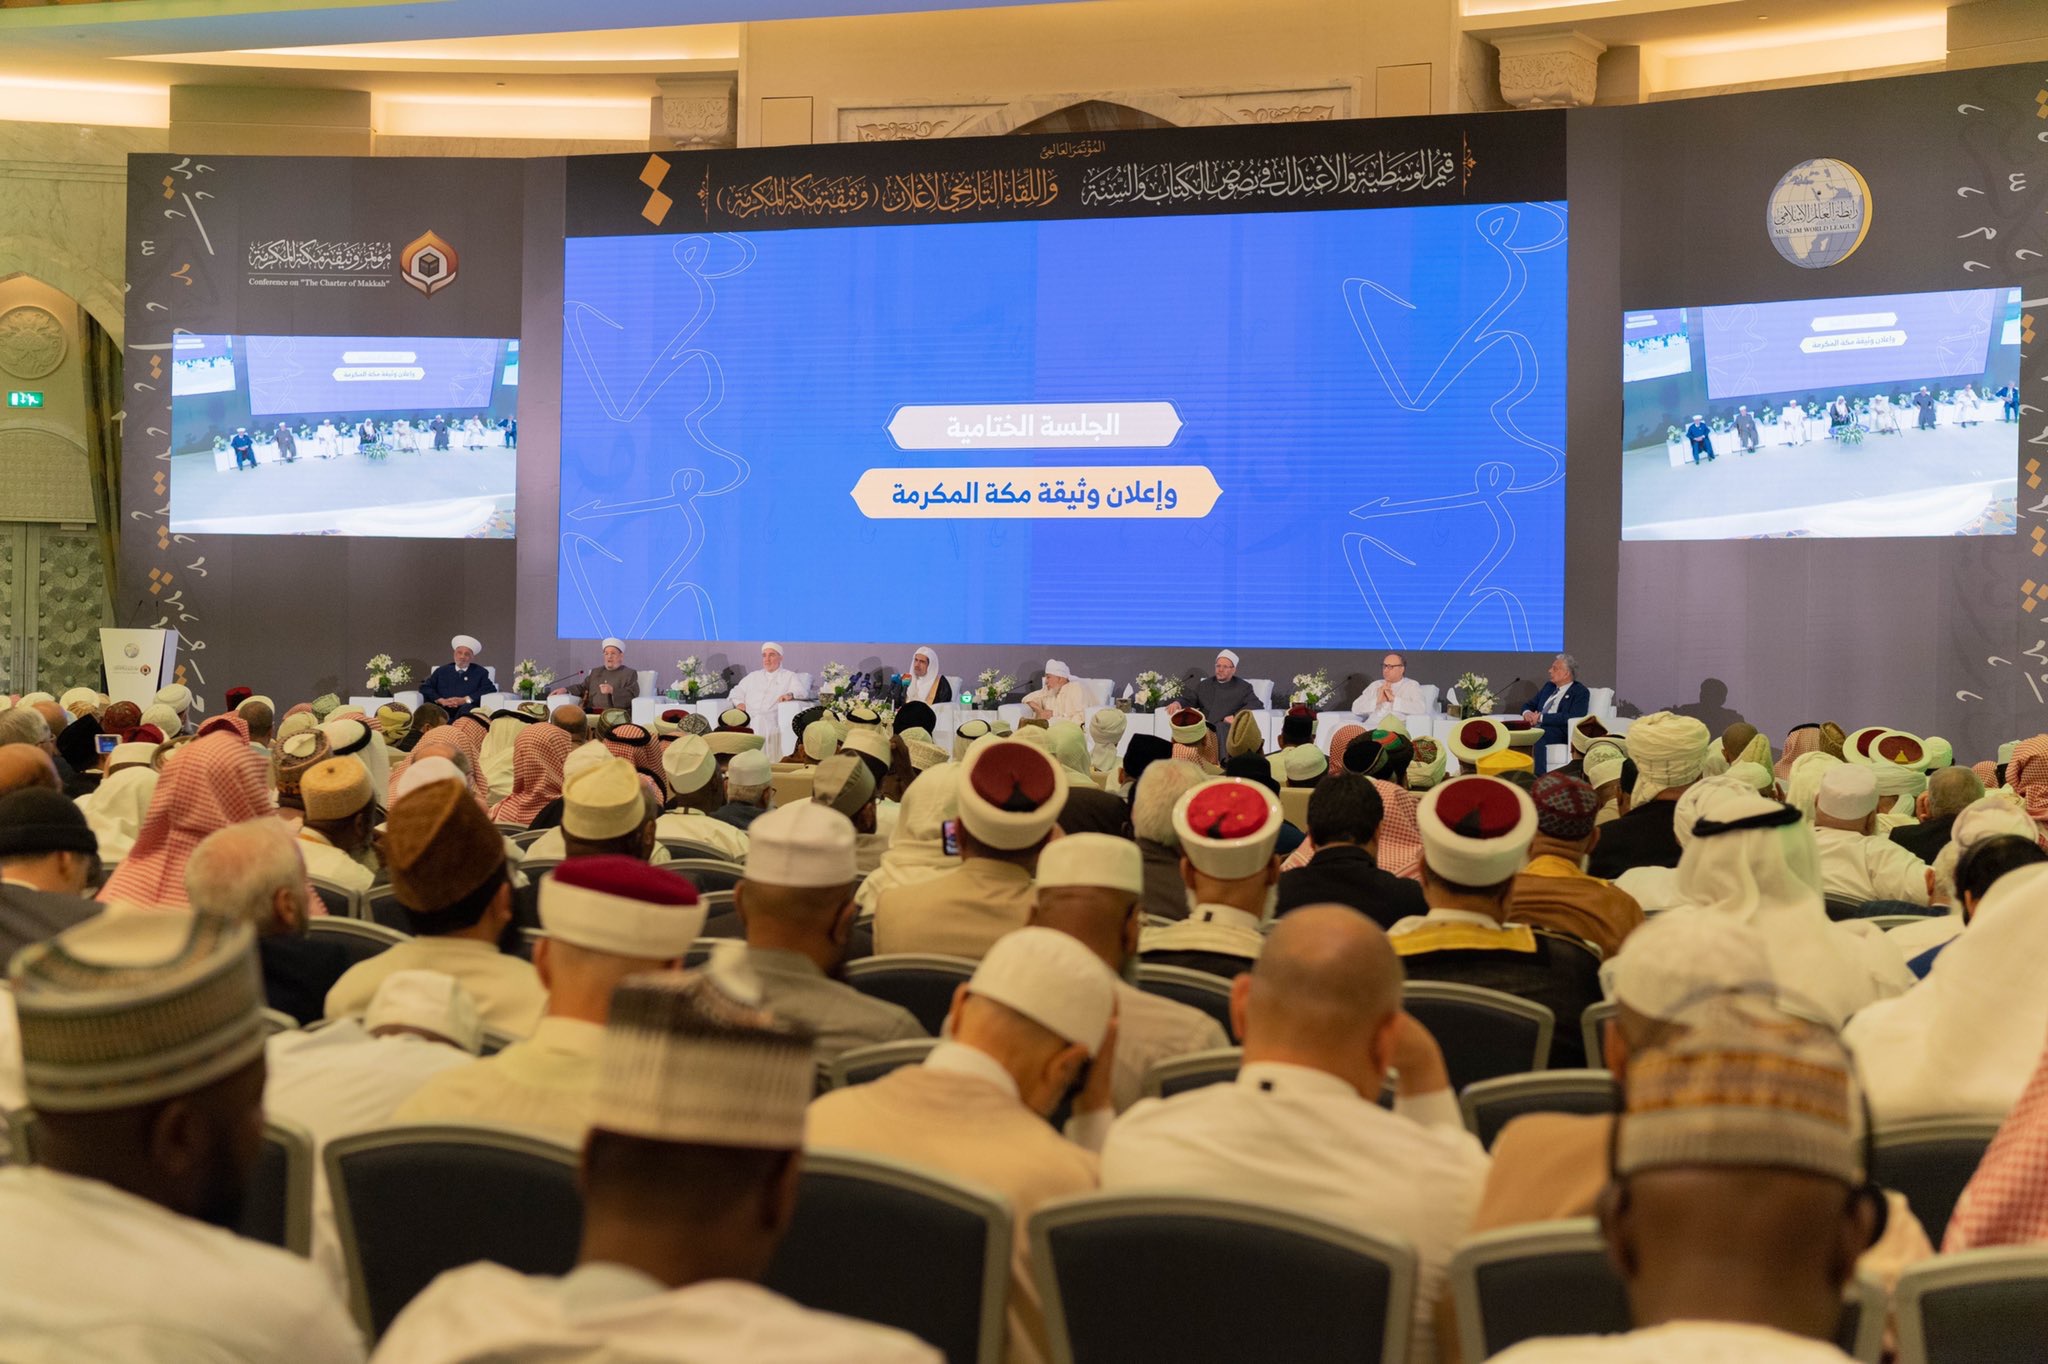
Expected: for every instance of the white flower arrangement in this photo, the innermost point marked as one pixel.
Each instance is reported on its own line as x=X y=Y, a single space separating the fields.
x=1472 y=696
x=834 y=682
x=1151 y=690
x=694 y=680
x=386 y=675
x=1311 y=689
x=528 y=677
x=988 y=689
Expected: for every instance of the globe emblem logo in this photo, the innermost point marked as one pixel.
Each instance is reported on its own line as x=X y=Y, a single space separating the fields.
x=1819 y=213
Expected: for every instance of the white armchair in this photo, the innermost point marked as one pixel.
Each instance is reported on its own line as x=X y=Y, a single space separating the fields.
x=1263 y=687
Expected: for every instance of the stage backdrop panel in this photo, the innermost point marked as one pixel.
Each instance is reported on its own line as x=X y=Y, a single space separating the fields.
x=411 y=263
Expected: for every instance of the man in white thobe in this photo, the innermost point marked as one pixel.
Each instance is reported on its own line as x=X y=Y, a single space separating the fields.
x=604 y=918
x=1321 y=1021
x=765 y=688
x=1060 y=698
x=142 y=1042
x=1855 y=862
x=689 y=1183
x=1396 y=693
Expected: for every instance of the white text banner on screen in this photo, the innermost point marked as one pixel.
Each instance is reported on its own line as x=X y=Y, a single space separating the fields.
x=1034 y=426
x=1104 y=493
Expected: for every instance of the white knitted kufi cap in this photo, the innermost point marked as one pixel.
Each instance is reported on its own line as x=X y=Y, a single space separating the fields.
x=431 y=1002
x=689 y=763
x=805 y=843
x=1228 y=827
x=130 y=1008
x=1092 y=860
x=177 y=696
x=1848 y=791
x=1304 y=763
x=603 y=801
x=694 y=1058
x=1682 y=954
x=425 y=772
x=1051 y=979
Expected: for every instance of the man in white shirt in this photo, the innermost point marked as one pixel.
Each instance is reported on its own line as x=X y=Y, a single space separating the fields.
x=1088 y=888
x=142 y=1043
x=1227 y=829
x=1059 y=698
x=689 y=1183
x=449 y=871
x=352 y=1075
x=697 y=789
x=1038 y=1008
x=765 y=688
x=341 y=816
x=1739 y=1201
x=1855 y=862
x=1321 y=1020
x=1395 y=693
x=603 y=919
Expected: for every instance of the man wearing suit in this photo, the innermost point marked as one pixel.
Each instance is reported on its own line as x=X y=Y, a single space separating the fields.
x=47 y=854
x=1562 y=700
x=1344 y=818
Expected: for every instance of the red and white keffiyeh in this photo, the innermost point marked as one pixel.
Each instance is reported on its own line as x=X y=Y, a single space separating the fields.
x=537 y=760
x=2006 y=1201
x=214 y=781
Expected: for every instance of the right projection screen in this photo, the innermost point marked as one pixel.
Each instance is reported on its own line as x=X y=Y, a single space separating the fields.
x=1882 y=415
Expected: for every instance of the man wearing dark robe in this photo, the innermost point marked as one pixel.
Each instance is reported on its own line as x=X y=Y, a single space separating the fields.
x=287 y=444
x=244 y=448
x=1925 y=402
x=1702 y=437
x=439 y=426
x=613 y=686
x=1222 y=696
x=457 y=687
x=1745 y=429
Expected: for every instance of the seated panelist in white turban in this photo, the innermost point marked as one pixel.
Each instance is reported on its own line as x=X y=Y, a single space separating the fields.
x=1395 y=693
x=457 y=687
x=611 y=687
x=761 y=690
x=1059 y=698
x=923 y=682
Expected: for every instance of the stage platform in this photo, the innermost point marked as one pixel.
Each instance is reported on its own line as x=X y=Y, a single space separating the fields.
x=453 y=493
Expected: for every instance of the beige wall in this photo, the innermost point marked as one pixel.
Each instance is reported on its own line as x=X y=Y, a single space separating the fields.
x=968 y=62
x=43 y=449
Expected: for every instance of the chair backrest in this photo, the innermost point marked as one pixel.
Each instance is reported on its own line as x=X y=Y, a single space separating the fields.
x=1202 y=990
x=945 y=1274
x=1977 y=1307
x=526 y=838
x=1930 y=1162
x=683 y=849
x=1294 y=805
x=1200 y=1280
x=412 y=1202
x=858 y=1065
x=361 y=940
x=1179 y=1074
x=921 y=982
x=1888 y=922
x=341 y=901
x=537 y=867
x=1547 y=1279
x=1600 y=702
x=706 y=873
x=714 y=901
x=381 y=906
x=276 y=1021
x=1554 y=1279
x=1591 y=1029
x=1262 y=687
x=791 y=787
x=1484 y=1033
x=1490 y=1105
x=277 y=1209
x=645 y=677
x=1099 y=689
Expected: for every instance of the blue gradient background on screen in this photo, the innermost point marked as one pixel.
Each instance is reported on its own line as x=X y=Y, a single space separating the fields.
x=1380 y=394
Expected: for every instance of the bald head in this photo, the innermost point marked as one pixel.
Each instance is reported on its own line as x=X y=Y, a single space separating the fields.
x=1949 y=789
x=1325 y=994
x=24 y=765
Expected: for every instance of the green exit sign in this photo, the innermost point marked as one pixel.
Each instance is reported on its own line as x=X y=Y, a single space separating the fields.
x=18 y=397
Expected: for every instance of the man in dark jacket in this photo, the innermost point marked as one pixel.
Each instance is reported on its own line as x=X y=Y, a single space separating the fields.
x=1949 y=790
x=47 y=859
x=1343 y=821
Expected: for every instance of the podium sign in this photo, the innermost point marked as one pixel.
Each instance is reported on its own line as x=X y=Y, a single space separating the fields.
x=138 y=662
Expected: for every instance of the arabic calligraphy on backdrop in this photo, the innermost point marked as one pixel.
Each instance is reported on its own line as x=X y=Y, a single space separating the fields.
x=937 y=191
x=1222 y=180
x=313 y=254
x=1100 y=493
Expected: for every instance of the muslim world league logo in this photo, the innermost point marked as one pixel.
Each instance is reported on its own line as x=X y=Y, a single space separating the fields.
x=428 y=264
x=1819 y=213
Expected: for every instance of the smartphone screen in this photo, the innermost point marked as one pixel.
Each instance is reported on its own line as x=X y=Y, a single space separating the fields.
x=106 y=743
x=949 y=837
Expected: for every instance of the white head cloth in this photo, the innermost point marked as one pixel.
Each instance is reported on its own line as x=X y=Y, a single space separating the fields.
x=1802 y=786
x=770 y=646
x=1755 y=776
x=424 y=772
x=1229 y=654
x=1965 y=1040
x=431 y=1002
x=613 y=642
x=469 y=642
x=1769 y=878
x=924 y=688
x=115 y=811
x=1055 y=668
x=1680 y=955
x=917 y=850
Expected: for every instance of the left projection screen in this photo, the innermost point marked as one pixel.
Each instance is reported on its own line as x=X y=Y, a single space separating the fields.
x=1330 y=429
x=344 y=435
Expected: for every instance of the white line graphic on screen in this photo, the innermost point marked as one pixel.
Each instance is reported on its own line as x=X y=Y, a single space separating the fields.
x=686 y=484
x=1492 y=480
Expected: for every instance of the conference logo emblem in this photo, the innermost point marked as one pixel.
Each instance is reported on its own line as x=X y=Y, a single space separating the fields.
x=1819 y=213
x=130 y=651
x=428 y=264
